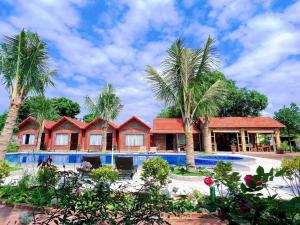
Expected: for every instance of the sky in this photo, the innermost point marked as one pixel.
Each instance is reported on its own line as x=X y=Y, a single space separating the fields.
x=95 y=42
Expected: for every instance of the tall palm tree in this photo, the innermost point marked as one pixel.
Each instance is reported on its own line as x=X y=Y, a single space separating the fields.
x=24 y=70
x=43 y=111
x=181 y=84
x=107 y=106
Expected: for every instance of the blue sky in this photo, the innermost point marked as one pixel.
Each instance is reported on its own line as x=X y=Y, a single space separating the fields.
x=94 y=42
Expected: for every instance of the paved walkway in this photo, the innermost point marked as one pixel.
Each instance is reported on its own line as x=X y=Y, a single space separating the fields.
x=271 y=155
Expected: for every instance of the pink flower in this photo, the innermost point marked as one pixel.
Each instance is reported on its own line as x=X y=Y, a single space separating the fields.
x=248 y=179
x=208 y=181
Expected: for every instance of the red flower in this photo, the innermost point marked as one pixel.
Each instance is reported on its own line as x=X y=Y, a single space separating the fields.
x=258 y=183
x=248 y=179
x=208 y=181
x=243 y=207
x=221 y=215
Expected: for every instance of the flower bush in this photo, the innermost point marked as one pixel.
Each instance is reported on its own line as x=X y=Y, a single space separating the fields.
x=156 y=170
x=4 y=170
x=105 y=174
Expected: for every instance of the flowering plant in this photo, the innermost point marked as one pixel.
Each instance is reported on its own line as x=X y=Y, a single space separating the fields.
x=209 y=181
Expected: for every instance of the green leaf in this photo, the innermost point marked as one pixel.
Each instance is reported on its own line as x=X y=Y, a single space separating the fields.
x=260 y=170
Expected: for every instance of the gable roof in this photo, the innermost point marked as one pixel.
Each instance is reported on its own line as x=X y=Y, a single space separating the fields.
x=28 y=119
x=243 y=122
x=98 y=119
x=77 y=123
x=169 y=125
x=136 y=119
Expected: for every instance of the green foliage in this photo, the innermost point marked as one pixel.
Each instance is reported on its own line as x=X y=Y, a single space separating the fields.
x=25 y=218
x=12 y=147
x=89 y=118
x=285 y=146
x=239 y=101
x=65 y=107
x=291 y=174
x=47 y=176
x=105 y=174
x=4 y=170
x=24 y=64
x=59 y=107
x=2 y=120
x=156 y=170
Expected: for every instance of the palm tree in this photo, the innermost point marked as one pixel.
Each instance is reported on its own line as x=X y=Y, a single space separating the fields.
x=43 y=111
x=107 y=106
x=181 y=84
x=24 y=70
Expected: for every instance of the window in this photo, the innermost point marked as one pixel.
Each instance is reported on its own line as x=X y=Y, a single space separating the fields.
x=134 y=140
x=181 y=139
x=28 y=139
x=95 y=139
x=62 y=139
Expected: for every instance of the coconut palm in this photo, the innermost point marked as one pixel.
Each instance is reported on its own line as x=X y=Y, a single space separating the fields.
x=107 y=106
x=43 y=111
x=24 y=70
x=181 y=84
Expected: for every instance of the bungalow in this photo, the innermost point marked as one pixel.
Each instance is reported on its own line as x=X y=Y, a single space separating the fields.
x=134 y=134
x=168 y=135
x=94 y=132
x=67 y=134
x=28 y=133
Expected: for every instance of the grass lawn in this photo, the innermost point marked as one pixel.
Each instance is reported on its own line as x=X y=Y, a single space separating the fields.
x=14 y=168
x=183 y=172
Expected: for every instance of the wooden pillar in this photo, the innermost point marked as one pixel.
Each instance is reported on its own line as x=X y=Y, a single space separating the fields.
x=277 y=138
x=243 y=139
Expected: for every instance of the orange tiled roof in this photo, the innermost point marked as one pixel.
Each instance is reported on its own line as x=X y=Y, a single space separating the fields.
x=169 y=125
x=49 y=124
x=113 y=125
x=243 y=122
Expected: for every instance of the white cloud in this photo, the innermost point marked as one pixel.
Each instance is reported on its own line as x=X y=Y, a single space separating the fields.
x=270 y=40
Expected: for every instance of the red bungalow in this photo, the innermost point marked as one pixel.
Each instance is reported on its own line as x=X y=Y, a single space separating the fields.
x=67 y=134
x=28 y=133
x=168 y=134
x=93 y=135
x=134 y=134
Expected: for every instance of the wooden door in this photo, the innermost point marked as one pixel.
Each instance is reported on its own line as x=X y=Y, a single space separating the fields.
x=74 y=141
x=109 y=143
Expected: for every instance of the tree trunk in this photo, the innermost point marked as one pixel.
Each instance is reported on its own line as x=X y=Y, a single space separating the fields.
x=39 y=140
x=189 y=148
x=7 y=132
x=104 y=136
x=206 y=137
x=290 y=143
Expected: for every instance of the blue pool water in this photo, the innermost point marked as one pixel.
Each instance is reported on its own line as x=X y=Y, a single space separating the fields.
x=72 y=158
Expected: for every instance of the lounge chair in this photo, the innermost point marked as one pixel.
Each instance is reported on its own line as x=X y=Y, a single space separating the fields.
x=125 y=167
x=153 y=150
x=95 y=161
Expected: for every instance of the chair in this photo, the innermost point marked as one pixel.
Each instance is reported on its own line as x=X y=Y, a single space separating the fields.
x=125 y=167
x=153 y=150
x=143 y=149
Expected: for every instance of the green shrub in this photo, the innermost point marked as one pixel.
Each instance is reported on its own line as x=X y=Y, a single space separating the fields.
x=105 y=174
x=156 y=170
x=12 y=147
x=291 y=174
x=47 y=176
x=4 y=170
x=285 y=146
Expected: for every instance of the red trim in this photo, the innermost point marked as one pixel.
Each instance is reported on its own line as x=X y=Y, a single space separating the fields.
x=26 y=120
x=100 y=119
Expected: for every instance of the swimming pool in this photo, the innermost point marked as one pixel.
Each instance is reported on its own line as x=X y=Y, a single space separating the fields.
x=76 y=158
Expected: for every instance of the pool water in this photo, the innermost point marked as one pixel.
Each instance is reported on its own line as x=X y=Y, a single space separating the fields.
x=76 y=158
